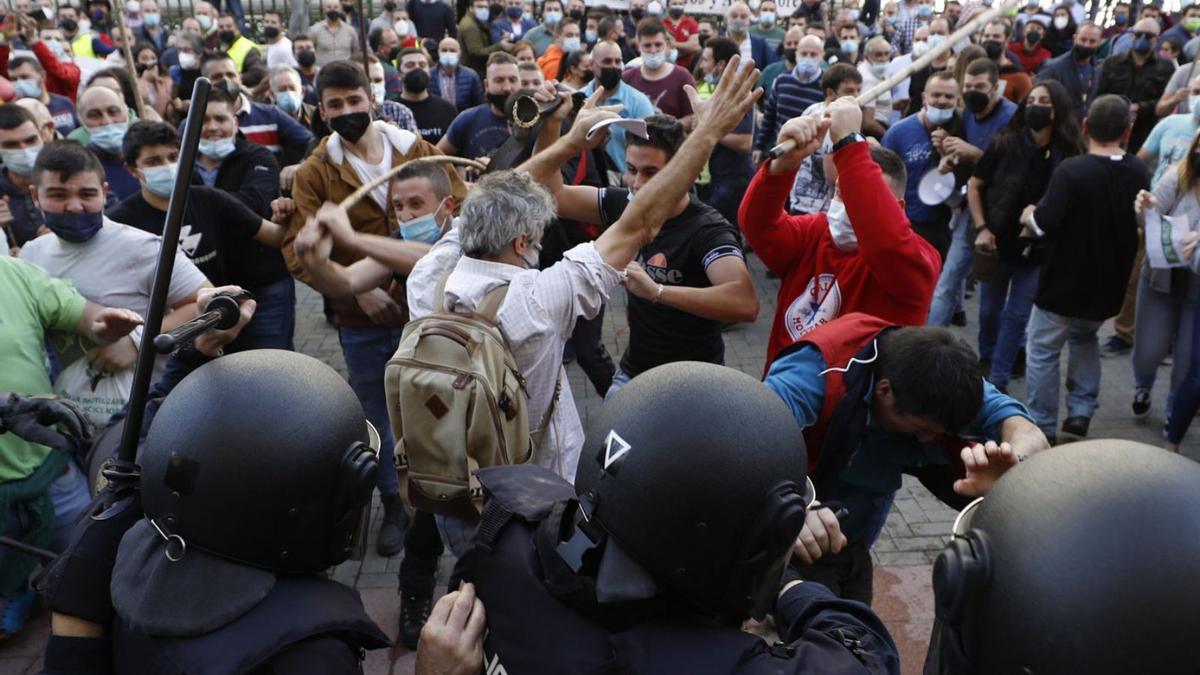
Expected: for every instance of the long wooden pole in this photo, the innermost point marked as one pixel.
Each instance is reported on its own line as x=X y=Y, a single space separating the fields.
x=924 y=60
x=126 y=38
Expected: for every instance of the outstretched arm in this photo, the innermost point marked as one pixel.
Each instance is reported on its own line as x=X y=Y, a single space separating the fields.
x=644 y=216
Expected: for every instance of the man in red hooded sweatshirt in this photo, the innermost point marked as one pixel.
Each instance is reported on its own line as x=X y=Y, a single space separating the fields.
x=861 y=256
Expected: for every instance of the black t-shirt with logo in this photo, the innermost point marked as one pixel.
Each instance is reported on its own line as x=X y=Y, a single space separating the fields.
x=215 y=222
x=432 y=115
x=679 y=256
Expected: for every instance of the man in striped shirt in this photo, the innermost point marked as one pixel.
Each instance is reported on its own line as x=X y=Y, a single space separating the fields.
x=794 y=92
x=265 y=125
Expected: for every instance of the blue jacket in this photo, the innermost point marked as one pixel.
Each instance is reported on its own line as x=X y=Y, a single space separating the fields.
x=503 y=25
x=865 y=487
x=468 y=90
x=1064 y=69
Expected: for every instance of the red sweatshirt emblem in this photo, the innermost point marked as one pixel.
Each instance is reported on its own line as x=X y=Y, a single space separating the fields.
x=820 y=303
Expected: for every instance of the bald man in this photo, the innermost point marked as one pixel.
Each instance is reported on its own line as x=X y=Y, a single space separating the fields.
x=791 y=39
x=103 y=114
x=794 y=92
x=607 y=66
x=41 y=117
x=738 y=19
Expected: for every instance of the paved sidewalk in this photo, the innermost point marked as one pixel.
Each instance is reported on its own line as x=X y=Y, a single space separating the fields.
x=915 y=531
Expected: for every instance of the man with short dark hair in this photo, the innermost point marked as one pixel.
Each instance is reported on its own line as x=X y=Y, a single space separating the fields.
x=29 y=81
x=261 y=124
x=369 y=325
x=685 y=32
x=215 y=223
x=568 y=37
x=877 y=401
x=279 y=46
x=244 y=51
x=431 y=113
x=1084 y=217
x=475 y=35
x=1017 y=82
x=385 y=44
x=20 y=143
x=479 y=130
x=729 y=168
x=660 y=80
x=687 y=283
x=861 y=256
x=1078 y=70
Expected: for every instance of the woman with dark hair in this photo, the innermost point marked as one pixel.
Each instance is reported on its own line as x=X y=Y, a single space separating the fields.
x=575 y=70
x=153 y=80
x=1166 y=309
x=1013 y=172
x=1060 y=36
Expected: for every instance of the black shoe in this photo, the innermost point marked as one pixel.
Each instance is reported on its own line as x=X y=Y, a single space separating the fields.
x=1115 y=346
x=414 y=612
x=1076 y=426
x=1141 y=402
x=391 y=530
x=959 y=318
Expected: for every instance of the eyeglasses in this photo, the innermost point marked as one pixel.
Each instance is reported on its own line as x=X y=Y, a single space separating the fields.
x=1143 y=34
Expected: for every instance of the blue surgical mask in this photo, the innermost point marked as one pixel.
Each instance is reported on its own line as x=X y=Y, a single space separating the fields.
x=482 y=14
x=21 y=161
x=152 y=19
x=938 y=116
x=849 y=46
x=879 y=69
x=288 y=101
x=448 y=59
x=27 y=88
x=161 y=179
x=552 y=18
x=807 y=70
x=654 y=61
x=924 y=11
x=673 y=55
x=109 y=136
x=766 y=18
x=571 y=44
x=75 y=228
x=935 y=40
x=218 y=149
x=422 y=228
x=590 y=35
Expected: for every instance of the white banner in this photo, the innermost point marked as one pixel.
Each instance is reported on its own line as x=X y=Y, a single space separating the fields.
x=1164 y=240
x=695 y=8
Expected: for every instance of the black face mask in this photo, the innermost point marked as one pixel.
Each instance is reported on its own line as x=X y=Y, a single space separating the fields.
x=637 y=14
x=497 y=100
x=994 y=49
x=496 y=9
x=1038 y=116
x=270 y=32
x=143 y=67
x=1082 y=53
x=675 y=12
x=703 y=38
x=351 y=126
x=416 y=80
x=1032 y=37
x=69 y=25
x=391 y=56
x=610 y=78
x=976 y=101
x=227 y=36
x=347 y=9
x=576 y=14
x=333 y=15
x=307 y=58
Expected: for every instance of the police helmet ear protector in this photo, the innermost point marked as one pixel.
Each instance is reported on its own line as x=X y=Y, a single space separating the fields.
x=767 y=549
x=356 y=480
x=962 y=571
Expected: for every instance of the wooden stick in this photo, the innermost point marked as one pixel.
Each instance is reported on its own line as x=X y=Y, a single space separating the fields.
x=127 y=37
x=362 y=44
x=927 y=58
x=363 y=191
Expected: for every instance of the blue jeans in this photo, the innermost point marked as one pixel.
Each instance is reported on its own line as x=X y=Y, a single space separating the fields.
x=456 y=533
x=367 y=351
x=619 y=380
x=1187 y=397
x=1048 y=332
x=274 y=321
x=947 y=295
x=1163 y=325
x=1004 y=306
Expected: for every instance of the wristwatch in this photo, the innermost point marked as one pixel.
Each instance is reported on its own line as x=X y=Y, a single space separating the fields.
x=847 y=140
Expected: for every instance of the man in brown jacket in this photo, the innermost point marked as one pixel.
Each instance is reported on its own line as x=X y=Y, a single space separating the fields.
x=369 y=325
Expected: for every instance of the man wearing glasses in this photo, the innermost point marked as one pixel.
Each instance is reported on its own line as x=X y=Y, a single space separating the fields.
x=1140 y=76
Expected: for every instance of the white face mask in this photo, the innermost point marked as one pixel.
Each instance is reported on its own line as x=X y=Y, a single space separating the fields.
x=919 y=47
x=1060 y=22
x=839 y=226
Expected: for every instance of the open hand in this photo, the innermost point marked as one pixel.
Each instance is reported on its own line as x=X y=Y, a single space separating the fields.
x=985 y=464
x=734 y=96
x=113 y=323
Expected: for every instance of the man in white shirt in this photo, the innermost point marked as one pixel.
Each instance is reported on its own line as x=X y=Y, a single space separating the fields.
x=279 y=46
x=497 y=243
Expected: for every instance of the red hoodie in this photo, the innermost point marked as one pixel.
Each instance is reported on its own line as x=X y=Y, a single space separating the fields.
x=61 y=78
x=891 y=275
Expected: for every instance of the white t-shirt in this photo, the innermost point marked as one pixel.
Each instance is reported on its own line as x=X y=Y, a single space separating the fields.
x=369 y=172
x=280 y=54
x=115 y=268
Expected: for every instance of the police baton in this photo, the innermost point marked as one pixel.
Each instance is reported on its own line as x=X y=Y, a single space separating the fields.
x=144 y=370
x=222 y=313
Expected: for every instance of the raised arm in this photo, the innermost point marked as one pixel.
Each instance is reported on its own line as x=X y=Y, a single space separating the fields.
x=644 y=216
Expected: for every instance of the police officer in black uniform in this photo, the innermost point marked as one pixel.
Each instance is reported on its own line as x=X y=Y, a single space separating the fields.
x=256 y=471
x=690 y=493
x=1082 y=559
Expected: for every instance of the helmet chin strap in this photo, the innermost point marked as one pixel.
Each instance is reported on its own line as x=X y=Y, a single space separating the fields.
x=618 y=577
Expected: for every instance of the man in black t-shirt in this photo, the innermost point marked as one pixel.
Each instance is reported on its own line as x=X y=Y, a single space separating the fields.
x=685 y=284
x=433 y=114
x=214 y=221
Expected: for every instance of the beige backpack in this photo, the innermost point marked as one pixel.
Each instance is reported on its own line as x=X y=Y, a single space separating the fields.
x=457 y=403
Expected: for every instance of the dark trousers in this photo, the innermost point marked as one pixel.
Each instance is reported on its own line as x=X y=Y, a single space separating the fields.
x=936 y=233
x=591 y=354
x=849 y=574
x=422 y=550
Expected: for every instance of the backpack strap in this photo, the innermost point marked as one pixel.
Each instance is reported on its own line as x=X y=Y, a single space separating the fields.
x=488 y=309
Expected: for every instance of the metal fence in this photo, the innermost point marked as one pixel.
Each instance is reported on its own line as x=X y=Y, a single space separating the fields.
x=175 y=11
